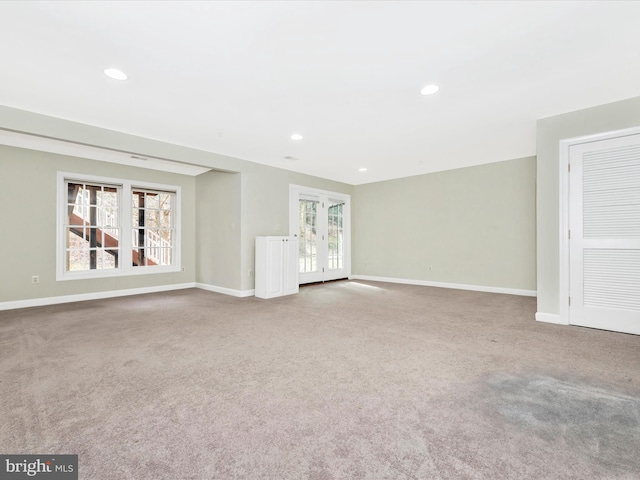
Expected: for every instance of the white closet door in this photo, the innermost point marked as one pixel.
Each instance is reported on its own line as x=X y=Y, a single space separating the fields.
x=604 y=219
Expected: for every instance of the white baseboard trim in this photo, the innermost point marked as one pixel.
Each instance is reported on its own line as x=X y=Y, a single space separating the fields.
x=81 y=297
x=549 y=318
x=458 y=286
x=226 y=291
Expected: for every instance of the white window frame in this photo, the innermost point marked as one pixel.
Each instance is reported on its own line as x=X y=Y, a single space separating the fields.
x=125 y=255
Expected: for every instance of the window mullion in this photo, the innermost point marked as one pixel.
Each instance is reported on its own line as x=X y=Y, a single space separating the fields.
x=126 y=249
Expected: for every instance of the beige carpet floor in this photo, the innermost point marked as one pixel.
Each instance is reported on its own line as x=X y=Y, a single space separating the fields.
x=347 y=380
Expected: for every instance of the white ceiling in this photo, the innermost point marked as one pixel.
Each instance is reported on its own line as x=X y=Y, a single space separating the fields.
x=238 y=78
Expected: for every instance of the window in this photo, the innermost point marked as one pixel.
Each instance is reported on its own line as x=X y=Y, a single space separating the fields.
x=92 y=238
x=152 y=227
x=91 y=231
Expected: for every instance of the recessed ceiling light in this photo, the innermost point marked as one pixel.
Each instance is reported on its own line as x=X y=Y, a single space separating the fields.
x=115 y=74
x=296 y=136
x=362 y=169
x=429 y=89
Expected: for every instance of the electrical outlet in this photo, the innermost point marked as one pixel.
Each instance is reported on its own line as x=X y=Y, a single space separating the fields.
x=430 y=268
x=35 y=279
x=183 y=269
x=250 y=273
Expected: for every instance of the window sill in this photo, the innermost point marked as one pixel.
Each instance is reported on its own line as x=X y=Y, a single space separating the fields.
x=116 y=273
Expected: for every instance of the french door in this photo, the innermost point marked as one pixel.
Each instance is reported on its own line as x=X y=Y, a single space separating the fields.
x=604 y=221
x=321 y=222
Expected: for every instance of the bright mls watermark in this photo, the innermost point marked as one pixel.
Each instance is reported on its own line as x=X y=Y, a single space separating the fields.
x=47 y=467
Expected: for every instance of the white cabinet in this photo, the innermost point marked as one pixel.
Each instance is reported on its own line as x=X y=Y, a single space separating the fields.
x=276 y=266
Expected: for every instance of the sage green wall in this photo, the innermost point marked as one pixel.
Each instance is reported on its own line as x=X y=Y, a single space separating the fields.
x=604 y=118
x=218 y=237
x=265 y=206
x=473 y=226
x=252 y=200
x=28 y=237
x=232 y=209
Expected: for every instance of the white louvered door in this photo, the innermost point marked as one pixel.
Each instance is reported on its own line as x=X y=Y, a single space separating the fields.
x=604 y=220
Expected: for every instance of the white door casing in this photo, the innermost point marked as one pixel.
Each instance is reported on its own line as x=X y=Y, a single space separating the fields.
x=325 y=249
x=602 y=248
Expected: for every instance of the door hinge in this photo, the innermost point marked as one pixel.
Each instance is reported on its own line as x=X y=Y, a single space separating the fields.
x=322 y=269
x=569 y=301
x=569 y=234
x=569 y=167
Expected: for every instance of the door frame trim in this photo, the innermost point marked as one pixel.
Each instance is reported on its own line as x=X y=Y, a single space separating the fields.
x=296 y=190
x=565 y=150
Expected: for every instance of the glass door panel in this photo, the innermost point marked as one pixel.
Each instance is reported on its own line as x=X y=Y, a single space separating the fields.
x=320 y=221
x=308 y=235
x=335 y=235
